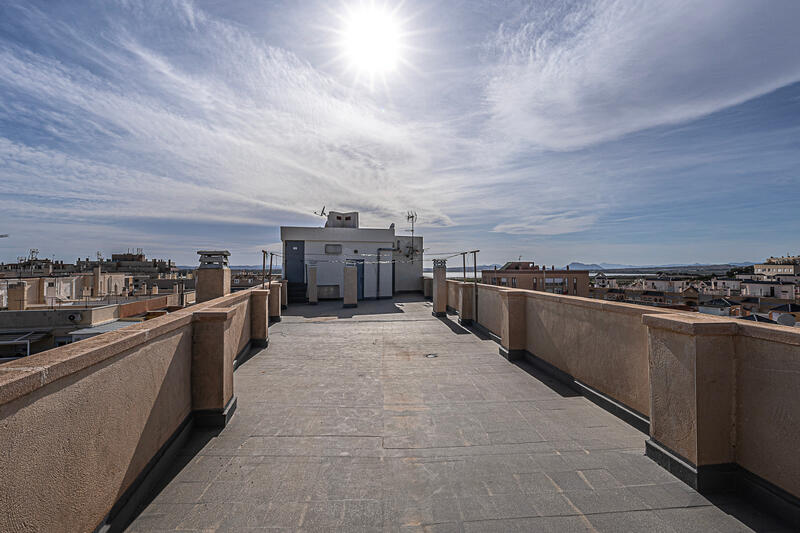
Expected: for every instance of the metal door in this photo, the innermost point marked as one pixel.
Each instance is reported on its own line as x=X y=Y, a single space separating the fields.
x=295 y=261
x=360 y=276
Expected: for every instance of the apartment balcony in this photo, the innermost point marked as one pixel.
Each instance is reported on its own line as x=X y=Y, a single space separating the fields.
x=386 y=418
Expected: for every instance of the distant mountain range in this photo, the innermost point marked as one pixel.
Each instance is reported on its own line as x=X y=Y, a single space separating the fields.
x=575 y=265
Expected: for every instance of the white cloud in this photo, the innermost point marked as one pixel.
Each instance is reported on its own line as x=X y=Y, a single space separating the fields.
x=574 y=74
x=548 y=224
x=207 y=124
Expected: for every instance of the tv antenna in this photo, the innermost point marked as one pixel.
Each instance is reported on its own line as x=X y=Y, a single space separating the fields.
x=321 y=213
x=411 y=216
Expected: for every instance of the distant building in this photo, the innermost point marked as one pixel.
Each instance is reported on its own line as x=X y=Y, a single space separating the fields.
x=769 y=289
x=386 y=263
x=773 y=269
x=719 y=307
x=528 y=275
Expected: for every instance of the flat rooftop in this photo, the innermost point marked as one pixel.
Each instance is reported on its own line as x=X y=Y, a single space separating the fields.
x=344 y=423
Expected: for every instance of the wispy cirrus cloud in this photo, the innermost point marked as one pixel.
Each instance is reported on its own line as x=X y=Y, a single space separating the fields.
x=524 y=126
x=572 y=74
x=167 y=112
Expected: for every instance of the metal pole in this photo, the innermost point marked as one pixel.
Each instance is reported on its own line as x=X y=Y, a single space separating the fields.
x=263 y=266
x=475 y=283
x=270 y=266
x=464 y=264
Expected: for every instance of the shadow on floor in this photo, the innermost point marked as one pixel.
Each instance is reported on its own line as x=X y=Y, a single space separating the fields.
x=334 y=308
x=563 y=390
x=454 y=326
x=760 y=520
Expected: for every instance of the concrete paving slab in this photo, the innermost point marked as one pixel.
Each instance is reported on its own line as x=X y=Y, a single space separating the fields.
x=344 y=424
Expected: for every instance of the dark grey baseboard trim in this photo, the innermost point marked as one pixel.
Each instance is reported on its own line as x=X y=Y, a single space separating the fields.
x=768 y=496
x=128 y=505
x=439 y=314
x=727 y=477
x=349 y=306
x=274 y=319
x=252 y=348
x=465 y=321
x=511 y=355
x=672 y=462
x=618 y=409
x=215 y=418
x=482 y=329
x=313 y=303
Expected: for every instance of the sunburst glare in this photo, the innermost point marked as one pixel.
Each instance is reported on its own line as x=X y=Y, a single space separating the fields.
x=371 y=41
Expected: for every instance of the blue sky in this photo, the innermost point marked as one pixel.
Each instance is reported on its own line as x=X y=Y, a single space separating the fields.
x=604 y=131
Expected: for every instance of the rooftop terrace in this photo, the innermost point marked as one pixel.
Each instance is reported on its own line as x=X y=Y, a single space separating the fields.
x=346 y=423
x=555 y=413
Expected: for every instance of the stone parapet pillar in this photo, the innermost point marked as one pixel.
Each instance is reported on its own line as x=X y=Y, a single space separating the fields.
x=439 y=287
x=259 y=317
x=275 y=296
x=513 y=327
x=692 y=398
x=350 y=290
x=213 y=402
x=311 y=285
x=466 y=303
x=213 y=275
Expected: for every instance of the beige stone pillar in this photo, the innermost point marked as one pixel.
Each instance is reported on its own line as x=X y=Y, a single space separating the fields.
x=692 y=397
x=284 y=294
x=213 y=401
x=350 y=289
x=466 y=303
x=154 y=289
x=213 y=275
x=427 y=287
x=311 y=285
x=513 y=325
x=259 y=317
x=439 y=287
x=275 y=292
x=17 y=296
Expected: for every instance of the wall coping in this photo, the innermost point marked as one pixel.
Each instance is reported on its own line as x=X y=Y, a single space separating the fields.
x=27 y=374
x=593 y=303
x=691 y=325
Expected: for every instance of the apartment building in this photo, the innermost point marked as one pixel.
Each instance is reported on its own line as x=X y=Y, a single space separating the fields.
x=528 y=275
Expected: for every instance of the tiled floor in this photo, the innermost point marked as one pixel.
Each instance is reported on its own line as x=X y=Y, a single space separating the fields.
x=344 y=424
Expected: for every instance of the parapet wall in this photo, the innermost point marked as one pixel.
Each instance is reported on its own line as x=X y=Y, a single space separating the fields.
x=81 y=422
x=602 y=344
x=720 y=394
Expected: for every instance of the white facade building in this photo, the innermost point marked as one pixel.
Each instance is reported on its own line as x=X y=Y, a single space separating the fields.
x=386 y=263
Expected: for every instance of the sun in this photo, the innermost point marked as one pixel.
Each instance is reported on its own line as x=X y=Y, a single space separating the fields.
x=371 y=40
